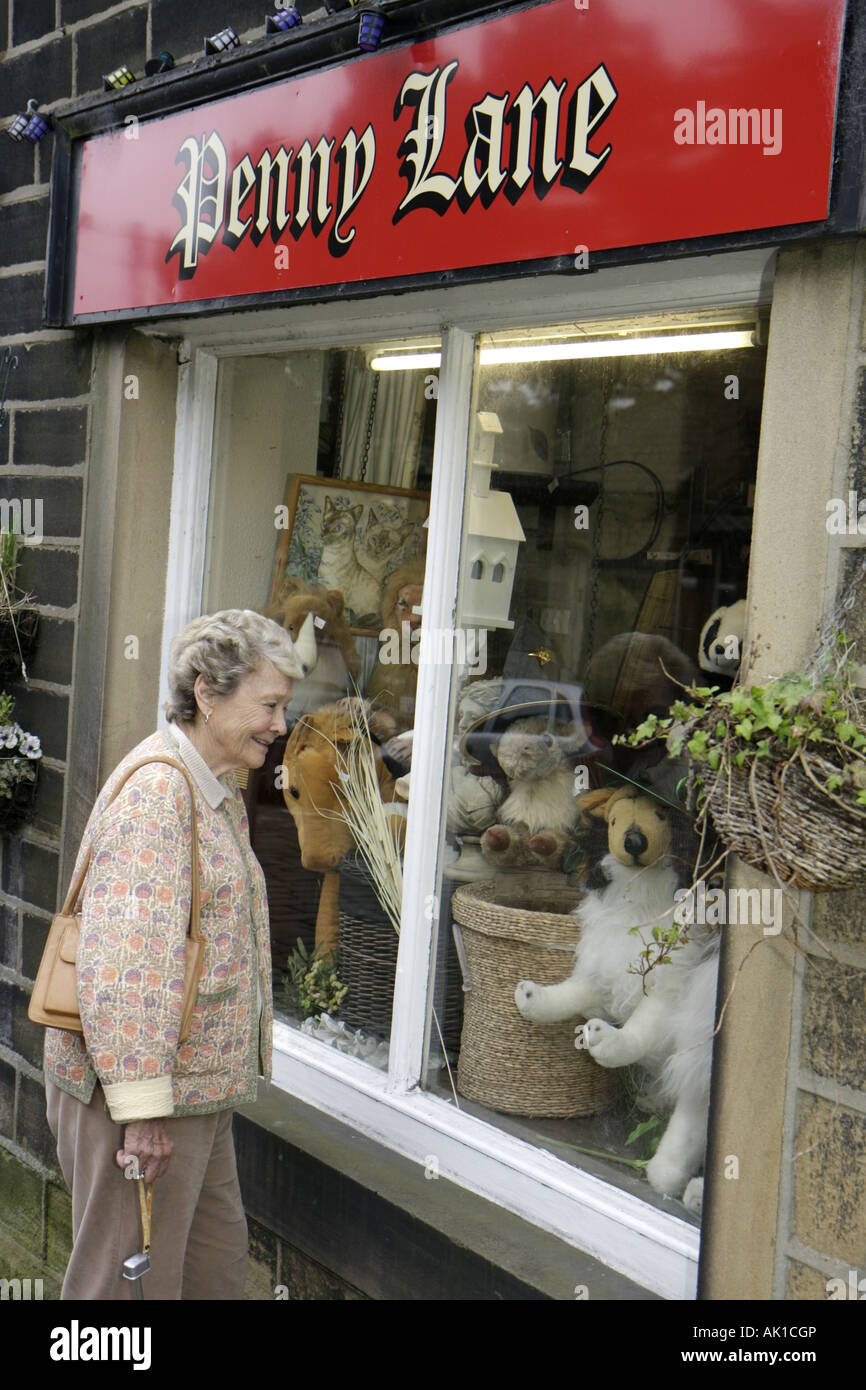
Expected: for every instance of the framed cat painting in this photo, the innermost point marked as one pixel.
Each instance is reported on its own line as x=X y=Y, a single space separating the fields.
x=349 y=536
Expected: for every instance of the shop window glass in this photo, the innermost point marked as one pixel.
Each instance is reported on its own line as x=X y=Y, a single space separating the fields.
x=618 y=509
x=320 y=488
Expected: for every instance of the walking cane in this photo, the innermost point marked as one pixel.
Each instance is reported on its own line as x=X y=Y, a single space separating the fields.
x=138 y=1265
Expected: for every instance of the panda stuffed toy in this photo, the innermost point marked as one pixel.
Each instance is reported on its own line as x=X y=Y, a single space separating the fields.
x=721 y=645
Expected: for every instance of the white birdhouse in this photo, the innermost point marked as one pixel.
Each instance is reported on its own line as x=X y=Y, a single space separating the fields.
x=494 y=535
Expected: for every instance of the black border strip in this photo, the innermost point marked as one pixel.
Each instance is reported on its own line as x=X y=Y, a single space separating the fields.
x=334 y=41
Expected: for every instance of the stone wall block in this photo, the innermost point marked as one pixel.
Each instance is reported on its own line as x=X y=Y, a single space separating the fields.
x=830 y=1179
x=52 y=438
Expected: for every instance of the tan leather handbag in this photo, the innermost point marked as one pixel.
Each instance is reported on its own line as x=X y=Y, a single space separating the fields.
x=54 y=1001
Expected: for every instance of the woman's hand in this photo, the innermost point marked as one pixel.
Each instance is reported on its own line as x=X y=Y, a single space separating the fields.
x=148 y=1142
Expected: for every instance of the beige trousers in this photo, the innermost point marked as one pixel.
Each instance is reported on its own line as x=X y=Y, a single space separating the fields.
x=198 y=1229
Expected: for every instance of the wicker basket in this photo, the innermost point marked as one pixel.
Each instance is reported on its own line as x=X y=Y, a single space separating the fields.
x=778 y=815
x=368 y=961
x=520 y=928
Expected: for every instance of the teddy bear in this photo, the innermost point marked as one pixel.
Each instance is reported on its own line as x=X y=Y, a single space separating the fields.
x=662 y=1020
x=536 y=819
x=634 y=674
x=721 y=645
x=337 y=661
x=394 y=678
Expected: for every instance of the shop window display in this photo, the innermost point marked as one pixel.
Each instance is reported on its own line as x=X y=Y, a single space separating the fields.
x=319 y=497
x=606 y=530
x=631 y=481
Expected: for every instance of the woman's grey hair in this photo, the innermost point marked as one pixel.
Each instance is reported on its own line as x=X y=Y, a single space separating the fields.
x=224 y=648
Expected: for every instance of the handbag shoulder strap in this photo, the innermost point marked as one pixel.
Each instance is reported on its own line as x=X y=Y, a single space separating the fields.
x=76 y=887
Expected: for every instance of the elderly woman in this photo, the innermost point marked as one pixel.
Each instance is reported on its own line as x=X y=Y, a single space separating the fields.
x=126 y=1092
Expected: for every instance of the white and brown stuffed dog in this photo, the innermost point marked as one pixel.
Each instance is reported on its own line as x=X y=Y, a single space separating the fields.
x=667 y=1030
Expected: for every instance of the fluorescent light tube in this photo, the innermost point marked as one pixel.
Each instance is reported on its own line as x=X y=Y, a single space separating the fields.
x=618 y=347
x=407 y=362
x=591 y=347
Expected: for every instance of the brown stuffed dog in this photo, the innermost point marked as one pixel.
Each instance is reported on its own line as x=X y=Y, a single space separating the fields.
x=395 y=676
x=315 y=754
x=638 y=827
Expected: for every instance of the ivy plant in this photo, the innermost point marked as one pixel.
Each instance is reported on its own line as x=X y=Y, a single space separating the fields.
x=794 y=715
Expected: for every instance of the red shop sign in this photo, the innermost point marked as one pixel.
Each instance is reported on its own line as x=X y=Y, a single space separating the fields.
x=572 y=127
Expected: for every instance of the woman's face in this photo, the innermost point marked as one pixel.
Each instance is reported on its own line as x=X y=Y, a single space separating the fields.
x=243 y=725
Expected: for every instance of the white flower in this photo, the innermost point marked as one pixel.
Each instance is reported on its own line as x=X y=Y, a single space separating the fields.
x=9 y=735
x=30 y=746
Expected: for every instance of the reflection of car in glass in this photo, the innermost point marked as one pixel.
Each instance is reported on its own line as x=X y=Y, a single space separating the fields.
x=569 y=721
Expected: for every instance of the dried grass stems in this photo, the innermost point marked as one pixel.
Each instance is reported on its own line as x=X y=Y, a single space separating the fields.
x=12 y=600
x=376 y=833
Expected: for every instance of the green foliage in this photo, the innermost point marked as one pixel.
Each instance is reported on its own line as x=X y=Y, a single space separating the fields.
x=573 y=859
x=658 y=951
x=650 y=1130
x=311 y=982
x=798 y=713
x=9 y=555
x=19 y=752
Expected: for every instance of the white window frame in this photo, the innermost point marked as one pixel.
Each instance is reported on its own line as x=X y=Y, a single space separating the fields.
x=654 y=1248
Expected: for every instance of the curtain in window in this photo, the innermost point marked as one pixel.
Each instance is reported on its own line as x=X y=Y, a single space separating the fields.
x=397 y=420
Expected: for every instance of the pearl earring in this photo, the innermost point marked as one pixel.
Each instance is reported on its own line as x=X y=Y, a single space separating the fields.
x=207 y=717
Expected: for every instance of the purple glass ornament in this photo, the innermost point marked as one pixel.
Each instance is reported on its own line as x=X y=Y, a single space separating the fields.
x=289 y=18
x=226 y=38
x=17 y=128
x=29 y=125
x=37 y=127
x=371 y=30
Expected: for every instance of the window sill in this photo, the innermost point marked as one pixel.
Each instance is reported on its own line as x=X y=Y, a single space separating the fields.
x=615 y=1229
x=400 y=1206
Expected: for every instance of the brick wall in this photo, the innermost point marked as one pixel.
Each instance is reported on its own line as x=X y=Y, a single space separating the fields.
x=54 y=50
x=823 y=1217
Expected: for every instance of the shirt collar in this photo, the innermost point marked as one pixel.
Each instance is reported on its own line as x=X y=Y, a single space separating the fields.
x=212 y=789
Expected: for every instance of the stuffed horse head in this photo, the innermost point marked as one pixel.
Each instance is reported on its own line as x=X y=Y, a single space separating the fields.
x=316 y=754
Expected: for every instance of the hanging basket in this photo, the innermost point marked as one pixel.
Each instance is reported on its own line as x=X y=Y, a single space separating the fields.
x=514 y=929
x=780 y=817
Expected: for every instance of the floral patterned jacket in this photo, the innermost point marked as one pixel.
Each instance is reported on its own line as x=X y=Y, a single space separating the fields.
x=135 y=915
